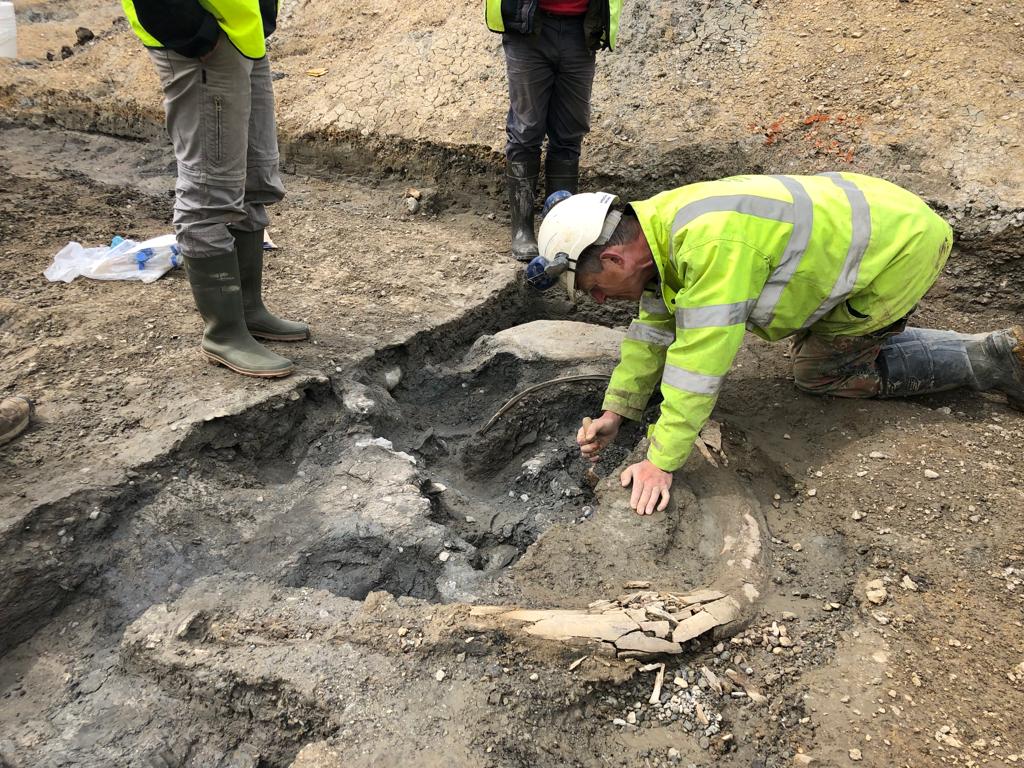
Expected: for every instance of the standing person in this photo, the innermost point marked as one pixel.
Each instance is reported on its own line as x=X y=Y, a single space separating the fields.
x=211 y=57
x=550 y=50
x=837 y=262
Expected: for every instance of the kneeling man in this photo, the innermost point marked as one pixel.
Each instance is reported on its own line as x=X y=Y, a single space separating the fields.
x=837 y=262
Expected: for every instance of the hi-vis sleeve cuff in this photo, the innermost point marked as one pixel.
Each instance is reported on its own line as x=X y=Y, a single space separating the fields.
x=629 y=405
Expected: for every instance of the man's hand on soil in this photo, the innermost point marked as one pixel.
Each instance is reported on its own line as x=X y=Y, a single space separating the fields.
x=650 y=487
x=595 y=434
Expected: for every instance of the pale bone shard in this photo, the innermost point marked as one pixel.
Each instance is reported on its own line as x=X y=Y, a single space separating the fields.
x=658 y=628
x=712 y=679
x=661 y=614
x=605 y=626
x=702 y=716
x=700 y=596
x=744 y=682
x=533 y=615
x=638 y=615
x=659 y=680
x=693 y=627
x=638 y=641
x=723 y=611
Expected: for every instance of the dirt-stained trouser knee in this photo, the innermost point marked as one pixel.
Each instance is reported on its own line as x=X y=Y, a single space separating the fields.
x=841 y=366
x=220 y=117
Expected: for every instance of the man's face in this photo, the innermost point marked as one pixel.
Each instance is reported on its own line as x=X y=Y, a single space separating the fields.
x=625 y=272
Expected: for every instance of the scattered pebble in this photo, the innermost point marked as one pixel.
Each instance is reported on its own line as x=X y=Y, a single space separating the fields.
x=855 y=755
x=931 y=474
x=439 y=675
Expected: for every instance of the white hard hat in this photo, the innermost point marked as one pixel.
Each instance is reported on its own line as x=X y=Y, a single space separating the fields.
x=572 y=226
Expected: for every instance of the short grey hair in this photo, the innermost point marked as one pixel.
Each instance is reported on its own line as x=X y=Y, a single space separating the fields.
x=628 y=230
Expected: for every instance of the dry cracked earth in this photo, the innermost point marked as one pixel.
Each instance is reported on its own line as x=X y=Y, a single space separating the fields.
x=203 y=570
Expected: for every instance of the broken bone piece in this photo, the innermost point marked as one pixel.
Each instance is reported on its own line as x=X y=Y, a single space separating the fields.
x=636 y=625
x=637 y=584
x=694 y=626
x=638 y=641
x=659 y=681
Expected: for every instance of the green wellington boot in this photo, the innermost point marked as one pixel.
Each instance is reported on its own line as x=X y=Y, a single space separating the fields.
x=261 y=323
x=226 y=340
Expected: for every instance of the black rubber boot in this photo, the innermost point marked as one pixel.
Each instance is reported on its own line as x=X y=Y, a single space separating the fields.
x=522 y=188
x=923 y=360
x=262 y=324
x=226 y=340
x=561 y=174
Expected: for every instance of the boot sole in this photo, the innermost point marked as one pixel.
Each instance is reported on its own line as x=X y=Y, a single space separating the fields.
x=212 y=358
x=278 y=336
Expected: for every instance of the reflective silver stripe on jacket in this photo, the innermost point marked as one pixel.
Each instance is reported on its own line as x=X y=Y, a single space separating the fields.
x=752 y=205
x=689 y=381
x=803 y=220
x=860 y=238
x=655 y=306
x=640 y=332
x=714 y=316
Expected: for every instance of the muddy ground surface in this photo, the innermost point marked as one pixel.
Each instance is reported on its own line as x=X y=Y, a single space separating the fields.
x=206 y=570
x=196 y=564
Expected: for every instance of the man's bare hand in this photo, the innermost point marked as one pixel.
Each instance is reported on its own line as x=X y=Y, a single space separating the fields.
x=596 y=434
x=650 y=487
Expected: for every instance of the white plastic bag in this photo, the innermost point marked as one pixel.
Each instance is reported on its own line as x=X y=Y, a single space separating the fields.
x=123 y=260
x=8 y=32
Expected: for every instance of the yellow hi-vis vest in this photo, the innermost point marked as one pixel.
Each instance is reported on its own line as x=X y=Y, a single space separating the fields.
x=241 y=20
x=839 y=254
x=518 y=16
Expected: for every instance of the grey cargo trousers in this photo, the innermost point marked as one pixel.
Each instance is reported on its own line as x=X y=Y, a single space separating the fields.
x=550 y=79
x=220 y=117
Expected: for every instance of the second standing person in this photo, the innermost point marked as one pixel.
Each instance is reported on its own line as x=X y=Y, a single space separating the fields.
x=550 y=50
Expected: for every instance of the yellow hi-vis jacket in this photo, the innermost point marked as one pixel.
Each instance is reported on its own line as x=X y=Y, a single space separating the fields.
x=840 y=254
x=192 y=27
